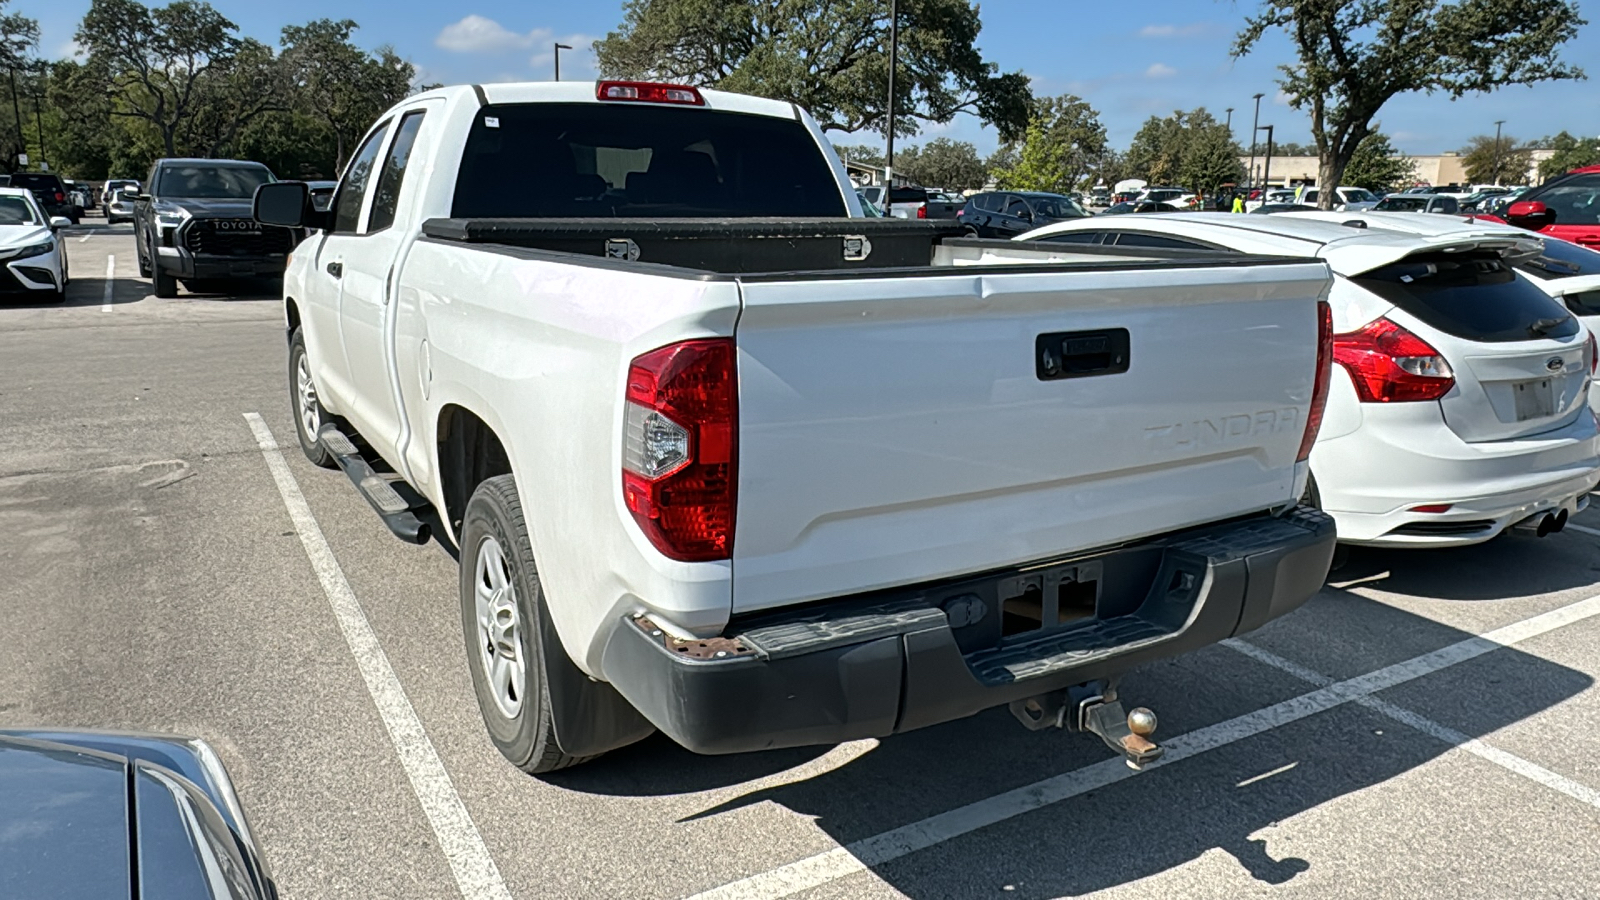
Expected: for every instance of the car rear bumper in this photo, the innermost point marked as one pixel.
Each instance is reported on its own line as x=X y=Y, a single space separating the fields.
x=1371 y=479
x=898 y=660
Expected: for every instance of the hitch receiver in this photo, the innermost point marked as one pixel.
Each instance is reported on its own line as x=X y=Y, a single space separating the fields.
x=1094 y=708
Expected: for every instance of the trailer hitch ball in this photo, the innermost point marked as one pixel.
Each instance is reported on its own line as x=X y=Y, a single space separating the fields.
x=1142 y=722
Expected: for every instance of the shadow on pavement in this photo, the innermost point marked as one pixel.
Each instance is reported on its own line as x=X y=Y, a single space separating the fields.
x=1138 y=827
x=1542 y=565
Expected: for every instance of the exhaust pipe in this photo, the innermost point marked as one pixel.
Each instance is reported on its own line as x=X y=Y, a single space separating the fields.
x=1539 y=525
x=1559 y=523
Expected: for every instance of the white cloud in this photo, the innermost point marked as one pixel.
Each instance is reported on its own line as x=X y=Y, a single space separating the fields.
x=478 y=34
x=1158 y=70
x=1281 y=98
x=70 y=50
x=1166 y=31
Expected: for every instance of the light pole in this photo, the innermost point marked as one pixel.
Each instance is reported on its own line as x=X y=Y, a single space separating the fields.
x=1266 y=166
x=1255 y=122
x=894 y=55
x=1497 y=124
x=559 y=48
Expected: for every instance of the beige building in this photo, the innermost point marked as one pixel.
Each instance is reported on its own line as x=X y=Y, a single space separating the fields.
x=1443 y=168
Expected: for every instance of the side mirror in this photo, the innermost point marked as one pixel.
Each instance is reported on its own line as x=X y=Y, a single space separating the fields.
x=1530 y=214
x=132 y=193
x=59 y=222
x=286 y=204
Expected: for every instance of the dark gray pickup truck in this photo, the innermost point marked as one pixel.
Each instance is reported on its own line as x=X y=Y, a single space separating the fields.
x=195 y=225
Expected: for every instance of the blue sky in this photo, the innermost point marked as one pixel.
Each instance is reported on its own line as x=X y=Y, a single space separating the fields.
x=1130 y=60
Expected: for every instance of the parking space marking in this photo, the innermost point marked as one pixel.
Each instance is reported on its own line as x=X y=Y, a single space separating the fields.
x=85 y=239
x=1592 y=532
x=1508 y=761
x=111 y=282
x=858 y=856
x=474 y=869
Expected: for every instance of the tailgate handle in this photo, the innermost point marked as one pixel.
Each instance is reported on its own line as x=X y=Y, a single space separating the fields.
x=1080 y=354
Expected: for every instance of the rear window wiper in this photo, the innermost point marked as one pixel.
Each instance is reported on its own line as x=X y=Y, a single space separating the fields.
x=1543 y=327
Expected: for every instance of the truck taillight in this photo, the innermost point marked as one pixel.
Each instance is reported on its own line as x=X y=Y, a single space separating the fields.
x=60 y=197
x=679 y=448
x=922 y=211
x=1389 y=364
x=1319 y=390
x=649 y=92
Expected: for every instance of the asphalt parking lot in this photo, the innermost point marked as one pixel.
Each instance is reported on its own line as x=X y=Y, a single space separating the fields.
x=1429 y=725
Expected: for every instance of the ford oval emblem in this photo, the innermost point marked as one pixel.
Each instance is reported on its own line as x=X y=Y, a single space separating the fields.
x=1555 y=364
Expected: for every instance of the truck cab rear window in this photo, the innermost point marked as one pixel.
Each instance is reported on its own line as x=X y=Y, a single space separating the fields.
x=1478 y=298
x=567 y=160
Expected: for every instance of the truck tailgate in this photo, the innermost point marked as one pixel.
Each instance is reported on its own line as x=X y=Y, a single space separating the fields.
x=905 y=428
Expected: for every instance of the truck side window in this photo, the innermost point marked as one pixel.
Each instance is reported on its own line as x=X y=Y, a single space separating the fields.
x=353 y=189
x=387 y=199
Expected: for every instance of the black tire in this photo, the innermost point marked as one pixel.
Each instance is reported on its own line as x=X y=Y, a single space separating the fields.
x=304 y=430
x=165 y=284
x=526 y=736
x=147 y=262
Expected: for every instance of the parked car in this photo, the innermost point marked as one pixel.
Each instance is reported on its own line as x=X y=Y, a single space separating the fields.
x=1176 y=196
x=195 y=224
x=1473 y=201
x=1270 y=208
x=1565 y=207
x=106 y=814
x=1459 y=405
x=1141 y=206
x=774 y=513
x=34 y=259
x=1497 y=205
x=117 y=199
x=79 y=195
x=921 y=203
x=1100 y=197
x=49 y=192
x=1003 y=214
x=1351 y=199
x=1417 y=203
x=867 y=207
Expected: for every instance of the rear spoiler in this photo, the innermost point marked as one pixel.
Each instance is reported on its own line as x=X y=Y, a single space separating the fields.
x=1359 y=255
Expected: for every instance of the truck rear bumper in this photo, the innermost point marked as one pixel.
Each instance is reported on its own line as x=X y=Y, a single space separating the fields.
x=898 y=660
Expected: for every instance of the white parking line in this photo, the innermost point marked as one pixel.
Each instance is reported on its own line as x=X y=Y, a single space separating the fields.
x=85 y=239
x=1592 y=532
x=1508 y=761
x=475 y=872
x=861 y=855
x=111 y=283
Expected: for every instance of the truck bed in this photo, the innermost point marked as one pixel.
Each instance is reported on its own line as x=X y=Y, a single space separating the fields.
x=783 y=248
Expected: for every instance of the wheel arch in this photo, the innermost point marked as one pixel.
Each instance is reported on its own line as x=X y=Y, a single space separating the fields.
x=467 y=452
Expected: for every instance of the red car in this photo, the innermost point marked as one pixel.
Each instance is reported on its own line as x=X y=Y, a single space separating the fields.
x=1565 y=207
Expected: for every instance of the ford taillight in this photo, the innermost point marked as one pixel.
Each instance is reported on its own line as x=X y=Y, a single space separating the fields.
x=1389 y=364
x=922 y=211
x=679 y=448
x=1319 y=390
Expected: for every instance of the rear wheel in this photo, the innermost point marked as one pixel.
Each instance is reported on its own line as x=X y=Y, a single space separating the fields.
x=309 y=416
x=502 y=613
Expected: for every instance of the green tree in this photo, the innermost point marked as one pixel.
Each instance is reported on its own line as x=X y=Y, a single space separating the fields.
x=860 y=153
x=1063 y=142
x=1157 y=149
x=1210 y=160
x=829 y=56
x=339 y=84
x=1354 y=55
x=1569 y=153
x=943 y=163
x=1290 y=148
x=19 y=35
x=1488 y=162
x=155 y=61
x=1377 y=166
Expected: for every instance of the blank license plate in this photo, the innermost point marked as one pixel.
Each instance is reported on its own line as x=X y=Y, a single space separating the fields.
x=1535 y=399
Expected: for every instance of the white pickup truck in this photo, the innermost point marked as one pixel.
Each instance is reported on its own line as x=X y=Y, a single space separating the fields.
x=724 y=458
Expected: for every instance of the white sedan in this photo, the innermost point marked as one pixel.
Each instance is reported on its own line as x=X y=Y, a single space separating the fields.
x=1459 y=403
x=35 y=264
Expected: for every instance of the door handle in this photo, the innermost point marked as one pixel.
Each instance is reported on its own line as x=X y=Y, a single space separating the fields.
x=336 y=269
